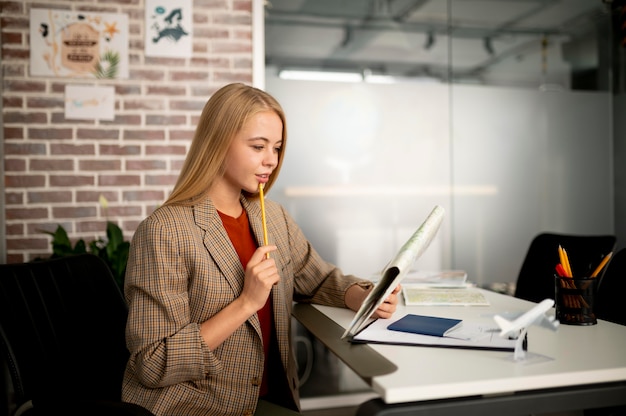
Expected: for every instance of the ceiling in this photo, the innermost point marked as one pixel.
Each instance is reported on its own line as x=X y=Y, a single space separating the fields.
x=439 y=38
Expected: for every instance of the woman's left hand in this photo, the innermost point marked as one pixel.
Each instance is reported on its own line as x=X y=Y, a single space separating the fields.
x=388 y=307
x=356 y=295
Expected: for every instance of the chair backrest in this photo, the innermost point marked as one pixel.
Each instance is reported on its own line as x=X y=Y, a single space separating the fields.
x=62 y=325
x=535 y=281
x=609 y=303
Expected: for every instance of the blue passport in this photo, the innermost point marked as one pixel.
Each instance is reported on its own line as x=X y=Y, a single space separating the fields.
x=425 y=325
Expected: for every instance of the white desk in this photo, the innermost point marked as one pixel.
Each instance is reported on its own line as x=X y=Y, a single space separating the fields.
x=587 y=369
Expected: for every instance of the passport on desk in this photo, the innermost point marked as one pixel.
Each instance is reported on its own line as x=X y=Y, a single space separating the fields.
x=425 y=325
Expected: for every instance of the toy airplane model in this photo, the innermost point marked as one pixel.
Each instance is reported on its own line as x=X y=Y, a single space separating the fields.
x=519 y=326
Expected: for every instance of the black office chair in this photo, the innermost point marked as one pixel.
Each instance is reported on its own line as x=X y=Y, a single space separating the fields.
x=609 y=303
x=62 y=325
x=535 y=281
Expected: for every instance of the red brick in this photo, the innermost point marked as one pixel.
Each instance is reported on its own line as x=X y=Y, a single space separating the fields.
x=146 y=165
x=161 y=179
x=119 y=180
x=189 y=76
x=38 y=197
x=99 y=133
x=51 y=164
x=12 y=7
x=165 y=150
x=148 y=104
x=13 y=258
x=74 y=212
x=13 y=133
x=16 y=102
x=129 y=150
x=227 y=77
x=24 y=181
x=27 y=243
x=26 y=213
x=98 y=227
x=49 y=133
x=71 y=149
x=124 y=211
x=14 y=70
x=144 y=134
x=165 y=90
x=14 y=198
x=181 y=134
x=59 y=118
x=24 y=118
x=147 y=75
x=24 y=149
x=10 y=53
x=41 y=228
x=143 y=195
x=123 y=119
x=99 y=165
x=174 y=120
x=94 y=196
x=24 y=86
x=14 y=165
x=187 y=105
x=15 y=229
x=45 y=102
x=71 y=180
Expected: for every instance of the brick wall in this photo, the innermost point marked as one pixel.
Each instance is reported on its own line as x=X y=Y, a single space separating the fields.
x=56 y=169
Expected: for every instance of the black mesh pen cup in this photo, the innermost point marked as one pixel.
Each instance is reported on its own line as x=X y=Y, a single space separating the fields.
x=575 y=299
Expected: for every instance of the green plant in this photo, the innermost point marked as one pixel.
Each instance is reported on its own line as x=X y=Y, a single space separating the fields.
x=114 y=250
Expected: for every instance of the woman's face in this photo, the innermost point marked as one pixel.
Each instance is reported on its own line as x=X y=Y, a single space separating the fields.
x=254 y=152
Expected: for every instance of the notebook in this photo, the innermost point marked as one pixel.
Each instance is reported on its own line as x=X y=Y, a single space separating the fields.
x=426 y=325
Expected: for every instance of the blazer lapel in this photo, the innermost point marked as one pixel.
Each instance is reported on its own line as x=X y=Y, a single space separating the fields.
x=218 y=245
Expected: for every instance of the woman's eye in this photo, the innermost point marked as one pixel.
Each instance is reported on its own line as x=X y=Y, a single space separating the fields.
x=258 y=147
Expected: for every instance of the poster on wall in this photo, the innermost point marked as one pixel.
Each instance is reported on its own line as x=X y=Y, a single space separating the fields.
x=89 y=102
x=78 y=44
x=169 y=28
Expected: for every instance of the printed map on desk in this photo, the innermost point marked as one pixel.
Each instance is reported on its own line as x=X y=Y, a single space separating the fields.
x=415 y=295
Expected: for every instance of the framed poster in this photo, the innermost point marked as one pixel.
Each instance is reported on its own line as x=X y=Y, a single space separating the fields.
x=89 y=102
x=78 y=44
x=169 y=28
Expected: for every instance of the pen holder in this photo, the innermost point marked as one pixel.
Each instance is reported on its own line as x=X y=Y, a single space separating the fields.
x=574 y=300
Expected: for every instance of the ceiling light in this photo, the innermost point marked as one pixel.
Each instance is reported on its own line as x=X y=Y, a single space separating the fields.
x=310 y=75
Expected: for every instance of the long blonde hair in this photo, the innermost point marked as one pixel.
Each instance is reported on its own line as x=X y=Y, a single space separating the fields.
x=223 y=116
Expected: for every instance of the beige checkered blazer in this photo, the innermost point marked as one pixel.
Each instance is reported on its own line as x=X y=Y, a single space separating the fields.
x=182 y=270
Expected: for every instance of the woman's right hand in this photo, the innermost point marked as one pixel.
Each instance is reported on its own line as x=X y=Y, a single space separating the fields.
x=261 y=275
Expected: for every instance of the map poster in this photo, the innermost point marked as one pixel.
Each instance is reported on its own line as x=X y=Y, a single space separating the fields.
x=78 y=44
x=169 y=28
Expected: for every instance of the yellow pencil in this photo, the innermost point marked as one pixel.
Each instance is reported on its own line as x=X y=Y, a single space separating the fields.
x=603 y=263
x=564 y=262
x=262 y=199
x=567 y=265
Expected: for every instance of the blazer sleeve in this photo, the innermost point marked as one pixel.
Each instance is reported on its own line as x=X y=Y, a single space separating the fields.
x=165 y=345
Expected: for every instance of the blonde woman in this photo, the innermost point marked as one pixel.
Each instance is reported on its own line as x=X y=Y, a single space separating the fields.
x=209 y=304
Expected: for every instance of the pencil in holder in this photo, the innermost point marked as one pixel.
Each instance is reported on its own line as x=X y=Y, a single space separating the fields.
x=575 y=299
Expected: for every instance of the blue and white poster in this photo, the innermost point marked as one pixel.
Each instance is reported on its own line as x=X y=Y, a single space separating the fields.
x=169 y=28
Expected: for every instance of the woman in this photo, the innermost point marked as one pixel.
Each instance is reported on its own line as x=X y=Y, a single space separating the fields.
x=210 y=305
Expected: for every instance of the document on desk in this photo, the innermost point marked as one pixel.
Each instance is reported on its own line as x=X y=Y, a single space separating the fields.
x=472 y=335
x=396 y=269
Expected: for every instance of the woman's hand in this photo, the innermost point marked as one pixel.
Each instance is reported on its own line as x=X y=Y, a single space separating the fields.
x=261 y=275
x=355 y=295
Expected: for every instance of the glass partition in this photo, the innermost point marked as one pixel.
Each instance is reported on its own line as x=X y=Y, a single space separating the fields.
x=499 y=111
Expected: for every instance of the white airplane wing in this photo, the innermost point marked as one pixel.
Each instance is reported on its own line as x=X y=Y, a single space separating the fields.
x=535 y=316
